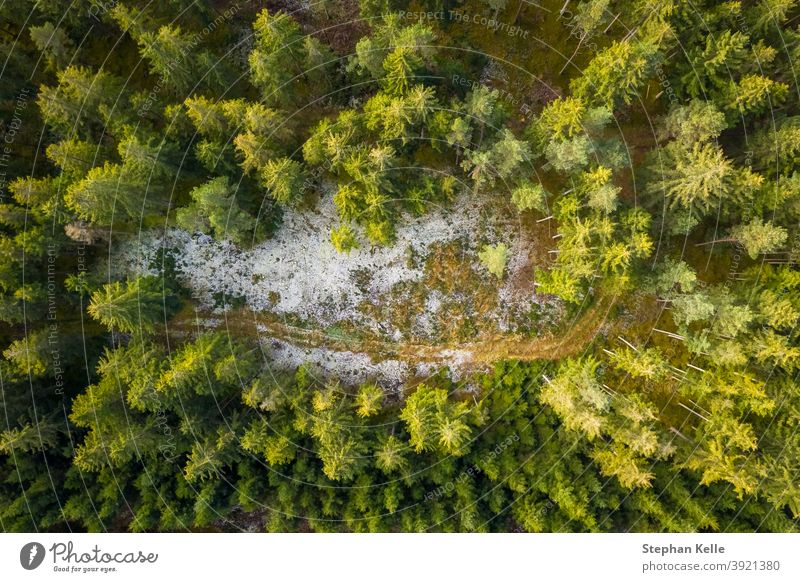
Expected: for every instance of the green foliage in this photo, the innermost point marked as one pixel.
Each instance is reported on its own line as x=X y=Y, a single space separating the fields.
x=29 y=355
x=435 y=423
x=277 y=56
x=215 y=210
x=699 y=121
x=495 y=258
x=502 y=161
x=759 y=237
x=344 y=239
x=757 y=94
x=697 y=176
x=79 y=101
x=285 y=179
x=563 y=118
x=283 y=63
x=185 y=429
x=170 y=54
x=529 y=196
x=617 y=73
x=54 y=43
x=596 y=187
x=134 y=306
x=393 y=54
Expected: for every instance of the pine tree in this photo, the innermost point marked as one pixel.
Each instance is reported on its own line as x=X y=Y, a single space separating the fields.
x=561 y=282
x=771 y=13
x=30 y=354
x=400 y=66
x=135 y=306
x=433 y=422
x=577 y=397
x=285 y=179
x=284 y=63
x=691 y=307
x=171 y=55
x=757 y=237
x=483 y=108
x=277 y=57
x=709 y=67
x=77 y=102
x=755 y=94
x=54 y=43
x=699 y=121
x=368 y=400
x=616 y=74
x=596 y=186
x=697 y=177
x=529 y=196
x=562 y=118
x=75 y=157
x=111 y=193
x=216 y=210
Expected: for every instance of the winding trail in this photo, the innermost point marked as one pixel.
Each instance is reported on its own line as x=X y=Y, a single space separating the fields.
x=580 y=332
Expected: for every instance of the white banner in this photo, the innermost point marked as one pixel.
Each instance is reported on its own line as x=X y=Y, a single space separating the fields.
x=406 y=557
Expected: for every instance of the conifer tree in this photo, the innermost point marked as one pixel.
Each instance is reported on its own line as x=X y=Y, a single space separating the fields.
x=133 y=306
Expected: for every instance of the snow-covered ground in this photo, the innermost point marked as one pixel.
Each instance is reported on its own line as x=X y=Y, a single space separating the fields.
x=353 y=368
x=298 y=272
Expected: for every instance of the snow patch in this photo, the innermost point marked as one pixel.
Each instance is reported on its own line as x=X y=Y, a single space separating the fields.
x=350 y=368
x=298 y=271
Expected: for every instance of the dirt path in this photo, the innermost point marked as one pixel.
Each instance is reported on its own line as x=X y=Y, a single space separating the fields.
x=578 y=335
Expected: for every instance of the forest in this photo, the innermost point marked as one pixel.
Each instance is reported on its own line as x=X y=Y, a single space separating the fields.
x=388 y=266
